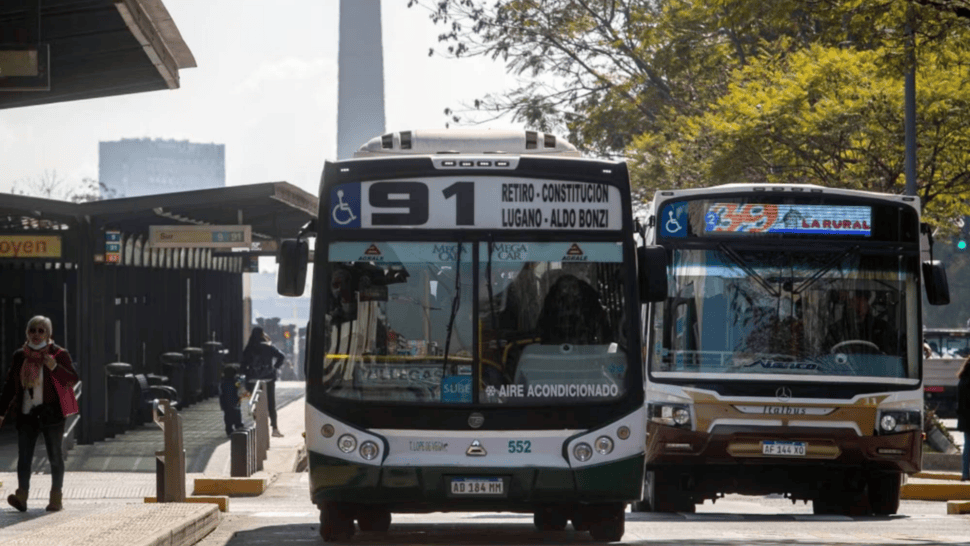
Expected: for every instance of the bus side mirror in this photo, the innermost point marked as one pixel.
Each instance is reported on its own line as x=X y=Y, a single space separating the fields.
x=291 y=276
x=934 y=278
x=652 y=273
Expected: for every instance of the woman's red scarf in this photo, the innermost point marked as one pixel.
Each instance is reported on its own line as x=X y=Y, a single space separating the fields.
x=32 y=366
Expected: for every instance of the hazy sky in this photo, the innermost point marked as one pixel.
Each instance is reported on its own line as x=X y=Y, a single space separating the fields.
x=265 y=86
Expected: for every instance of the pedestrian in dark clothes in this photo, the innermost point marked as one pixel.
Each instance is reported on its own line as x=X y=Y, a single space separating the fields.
x=260 y=362
x=229 y=398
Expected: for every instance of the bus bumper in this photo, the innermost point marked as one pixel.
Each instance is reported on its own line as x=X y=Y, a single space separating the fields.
x=733 y=462
x=428 y=489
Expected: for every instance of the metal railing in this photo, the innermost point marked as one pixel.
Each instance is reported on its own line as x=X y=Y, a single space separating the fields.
x=68 y=440
x=248 y=447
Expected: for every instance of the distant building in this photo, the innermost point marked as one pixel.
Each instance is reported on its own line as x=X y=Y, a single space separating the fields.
x=142 y=166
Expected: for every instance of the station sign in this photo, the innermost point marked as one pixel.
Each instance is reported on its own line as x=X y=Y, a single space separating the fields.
x=232 y=236
x=30 y=246
x=112 y=247
x=24 y=67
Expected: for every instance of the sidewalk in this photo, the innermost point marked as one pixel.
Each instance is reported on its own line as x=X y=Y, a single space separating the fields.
x=107 y=508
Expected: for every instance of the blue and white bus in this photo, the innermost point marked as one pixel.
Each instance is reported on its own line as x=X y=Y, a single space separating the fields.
x=474 y=341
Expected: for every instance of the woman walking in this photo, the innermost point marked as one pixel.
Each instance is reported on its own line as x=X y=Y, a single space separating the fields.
x=260 y=360
x=963 y=414
x=38 y=394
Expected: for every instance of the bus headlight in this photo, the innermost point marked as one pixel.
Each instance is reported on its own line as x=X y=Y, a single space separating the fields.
x=368 y=450
x=895 y=421
x=327 y=430
x=347 y=443
x=672 y=415
x=888 y=422
x=623 y=432
x=583 y=452
x=604 y=445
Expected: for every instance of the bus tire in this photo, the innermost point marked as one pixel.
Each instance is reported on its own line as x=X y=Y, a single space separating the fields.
x=608 y=523
x=547 y=518
x=883 y=491
x=642 y=505
x=374 y=519
x=336 y=522
x=841 y=502
x=663 y=495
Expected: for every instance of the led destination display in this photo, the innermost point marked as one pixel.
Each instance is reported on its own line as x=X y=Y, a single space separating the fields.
x=487 y=203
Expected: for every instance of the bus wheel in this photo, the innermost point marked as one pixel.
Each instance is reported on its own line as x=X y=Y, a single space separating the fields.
x=884 y=491
x=608 y=523
x=663 y=495
x=547 y=518
x=374 y=519
x=580 y=520
x=336 y=522
x=640 y=506
x=840 y=502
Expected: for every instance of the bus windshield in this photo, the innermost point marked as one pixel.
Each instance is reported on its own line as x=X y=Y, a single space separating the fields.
x=551 y=322
x=779 y=311
x=548 y=320
x=394 y=310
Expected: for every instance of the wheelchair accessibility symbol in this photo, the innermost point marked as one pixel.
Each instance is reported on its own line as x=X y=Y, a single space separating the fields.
x=673 y=222
x=342 y=213
x=345 y=213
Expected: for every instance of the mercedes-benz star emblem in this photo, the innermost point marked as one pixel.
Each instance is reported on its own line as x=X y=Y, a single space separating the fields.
x=476 y=420
x=783 y=394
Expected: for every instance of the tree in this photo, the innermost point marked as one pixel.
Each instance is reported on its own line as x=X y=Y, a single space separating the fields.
x=51 y=186
x=695 y=93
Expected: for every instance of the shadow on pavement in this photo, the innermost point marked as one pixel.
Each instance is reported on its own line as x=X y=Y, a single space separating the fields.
x=134 y=450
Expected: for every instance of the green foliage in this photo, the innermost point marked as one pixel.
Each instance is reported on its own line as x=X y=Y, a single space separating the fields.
x=700 y=93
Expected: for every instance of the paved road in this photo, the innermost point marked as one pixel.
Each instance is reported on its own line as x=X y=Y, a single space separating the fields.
x=284 y=515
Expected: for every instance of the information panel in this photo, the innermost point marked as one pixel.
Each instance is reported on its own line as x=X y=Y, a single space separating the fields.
x=469 y=203
x=200 y=236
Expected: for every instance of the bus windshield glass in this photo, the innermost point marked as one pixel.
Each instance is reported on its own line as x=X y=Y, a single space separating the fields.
x=550 y=317
x=395 y=310
x=777 y=311
x=403 y=323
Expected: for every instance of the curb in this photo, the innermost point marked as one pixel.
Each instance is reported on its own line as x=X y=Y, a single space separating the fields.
x=221 y=502
x=954 y=507
x=231 y=487
x=936 y=491
x=937 y=475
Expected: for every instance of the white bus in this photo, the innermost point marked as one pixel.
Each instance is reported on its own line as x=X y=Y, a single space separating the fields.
x=787 y=355
x=474 y=337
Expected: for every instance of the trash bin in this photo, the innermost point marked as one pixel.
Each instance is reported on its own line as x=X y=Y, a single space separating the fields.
x=194 y=374
x=173 y=366
x=120 y=389
x=212 y=352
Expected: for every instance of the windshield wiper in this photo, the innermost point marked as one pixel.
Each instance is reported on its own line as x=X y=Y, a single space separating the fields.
x=739 y=261
x=823 y=270
x=455 y=303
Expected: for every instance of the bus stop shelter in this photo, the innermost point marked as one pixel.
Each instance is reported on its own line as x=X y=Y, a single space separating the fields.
x=114 y=296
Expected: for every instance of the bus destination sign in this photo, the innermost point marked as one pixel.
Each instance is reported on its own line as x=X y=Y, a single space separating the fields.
x=492 y=203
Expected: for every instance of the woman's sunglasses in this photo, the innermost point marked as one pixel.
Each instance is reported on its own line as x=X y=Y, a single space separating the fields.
x=37 y=331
